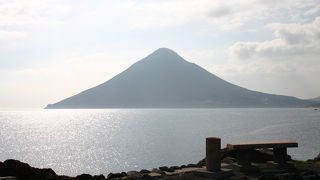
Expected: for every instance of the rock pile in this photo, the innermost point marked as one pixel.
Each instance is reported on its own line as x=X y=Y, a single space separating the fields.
x=316 y=159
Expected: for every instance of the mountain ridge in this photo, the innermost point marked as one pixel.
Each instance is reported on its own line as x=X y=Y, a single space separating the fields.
x=163 y=79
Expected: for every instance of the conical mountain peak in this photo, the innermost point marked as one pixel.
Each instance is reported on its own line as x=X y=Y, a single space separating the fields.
x=162 y=51
x=164 y=79
x=164 y=55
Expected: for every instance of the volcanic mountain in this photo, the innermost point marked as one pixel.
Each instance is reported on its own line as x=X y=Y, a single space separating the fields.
x=164 y=79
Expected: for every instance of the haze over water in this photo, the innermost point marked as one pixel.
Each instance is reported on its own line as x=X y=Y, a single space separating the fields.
x=73 y=142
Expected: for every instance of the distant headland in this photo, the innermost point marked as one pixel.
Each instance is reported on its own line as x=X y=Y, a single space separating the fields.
x=164 y=79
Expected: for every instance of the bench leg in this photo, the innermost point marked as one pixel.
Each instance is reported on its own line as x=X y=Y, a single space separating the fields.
x=244 y=158
x=213 y=159
x=279 y=155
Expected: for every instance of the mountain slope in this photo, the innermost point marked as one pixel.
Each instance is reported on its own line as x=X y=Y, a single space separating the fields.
x=316 y=99
x=164 y=79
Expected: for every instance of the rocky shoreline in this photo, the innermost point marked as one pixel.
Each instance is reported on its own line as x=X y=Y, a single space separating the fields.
x=263 y=168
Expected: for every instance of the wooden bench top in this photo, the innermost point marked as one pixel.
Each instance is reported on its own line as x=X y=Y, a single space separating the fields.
x=257 y=145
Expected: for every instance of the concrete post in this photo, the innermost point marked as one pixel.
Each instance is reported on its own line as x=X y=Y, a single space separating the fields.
x=213 y=159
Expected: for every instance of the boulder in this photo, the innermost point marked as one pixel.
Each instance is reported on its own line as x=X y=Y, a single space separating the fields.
x=158 y=171
x=134 y=175
x=1 y=169
x=116 y=175
x=24 y=171
x=147 y=177
x=144 y=171
x=20 y=170
x=99 y=177
x=84 y=177
x=165 y=168
x=175 y=167
x=193 y=165
x=46 y=172
x=228 y=160
x=202 y=162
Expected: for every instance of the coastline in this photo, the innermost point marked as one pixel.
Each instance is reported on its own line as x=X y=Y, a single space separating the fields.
x=262 y=168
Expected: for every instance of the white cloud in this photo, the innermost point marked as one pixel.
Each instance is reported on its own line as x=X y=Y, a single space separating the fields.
x=11 y=34
x=292 y=41
x=19 y=17
x=220 y=14
x=133 y=14
x=288 y=64
x=26 y=12
x=312 y=11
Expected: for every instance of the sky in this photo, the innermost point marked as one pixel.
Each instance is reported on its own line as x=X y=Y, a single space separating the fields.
x=53 y=49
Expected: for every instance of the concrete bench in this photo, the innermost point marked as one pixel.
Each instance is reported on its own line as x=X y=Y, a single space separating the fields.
x=279 y=150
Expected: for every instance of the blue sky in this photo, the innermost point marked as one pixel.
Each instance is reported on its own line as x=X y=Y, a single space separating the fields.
x=52 y=49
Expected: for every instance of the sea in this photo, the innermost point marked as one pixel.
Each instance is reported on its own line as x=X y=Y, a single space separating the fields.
x=101 y=141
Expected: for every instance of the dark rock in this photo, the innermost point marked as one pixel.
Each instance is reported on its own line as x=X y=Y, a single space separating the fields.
x=284 y=176
x=134 y=175
x=24 y=171
x=295 y=177
x=317 y=158
x=175 y=167
x=115 y=175
x=288 y=176
x=1 y=169
x=144 y=171
x=84 y=177
x=47 y=172
x=99 y=177
x=20 y=170
x=241 y=178
x=62 y=178
x=147 y=177
x=155 y=170
x=192 y=165
x=308 y=173
x=183 y=166
x=228 y=160
x=215 y=175
x=165 y=168
x=311 y=177
x=202 y=162
x=266 y=177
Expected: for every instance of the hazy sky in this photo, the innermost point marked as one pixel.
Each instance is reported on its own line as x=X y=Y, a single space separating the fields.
x=52 y=49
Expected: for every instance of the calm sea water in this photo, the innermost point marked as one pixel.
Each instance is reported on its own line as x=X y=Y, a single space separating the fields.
x=73 y=142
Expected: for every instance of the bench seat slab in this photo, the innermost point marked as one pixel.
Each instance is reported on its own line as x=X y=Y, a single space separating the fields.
x=259 y=145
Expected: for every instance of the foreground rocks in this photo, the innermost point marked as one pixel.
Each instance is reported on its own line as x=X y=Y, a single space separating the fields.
x=263 y=169
x=316 y=159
